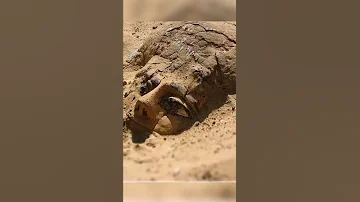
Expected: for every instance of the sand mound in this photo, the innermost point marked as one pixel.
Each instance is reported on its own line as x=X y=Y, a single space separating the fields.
x=205 y=151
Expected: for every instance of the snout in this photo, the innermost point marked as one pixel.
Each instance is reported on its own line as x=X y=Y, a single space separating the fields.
x=147 y=110
x=149 y=113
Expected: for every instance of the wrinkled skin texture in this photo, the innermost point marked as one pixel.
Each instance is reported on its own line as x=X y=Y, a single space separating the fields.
x=185 y=70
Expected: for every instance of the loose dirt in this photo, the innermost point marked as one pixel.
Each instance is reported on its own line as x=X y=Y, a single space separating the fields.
x=207 y=151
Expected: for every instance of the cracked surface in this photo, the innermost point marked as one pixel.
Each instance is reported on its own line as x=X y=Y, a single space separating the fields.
x=180 y=67
x=179 y=80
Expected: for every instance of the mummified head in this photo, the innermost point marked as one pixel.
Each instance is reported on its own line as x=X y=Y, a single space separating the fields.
x=182 y=70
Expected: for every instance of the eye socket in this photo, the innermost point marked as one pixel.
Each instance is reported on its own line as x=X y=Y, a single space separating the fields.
x=175 y=106
x=149 y=85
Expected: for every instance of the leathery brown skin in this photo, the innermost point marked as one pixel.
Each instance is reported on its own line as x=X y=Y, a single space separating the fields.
x=158 y=101
x=149 y=113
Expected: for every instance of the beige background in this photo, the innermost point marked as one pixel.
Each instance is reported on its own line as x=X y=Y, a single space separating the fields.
x=165 y=10
x=166 y=192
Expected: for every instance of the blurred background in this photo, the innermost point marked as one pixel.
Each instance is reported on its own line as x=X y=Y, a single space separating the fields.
x=179 y=192
x=178 y=10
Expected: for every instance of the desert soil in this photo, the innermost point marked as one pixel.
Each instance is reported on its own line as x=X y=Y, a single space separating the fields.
x=207 y=151
x=179 y=192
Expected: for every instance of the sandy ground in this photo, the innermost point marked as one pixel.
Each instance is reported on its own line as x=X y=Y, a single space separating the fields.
x=205 y=152
x=178 y=192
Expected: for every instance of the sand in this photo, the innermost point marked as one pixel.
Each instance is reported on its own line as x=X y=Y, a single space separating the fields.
x=179 y=192
x=204 y=152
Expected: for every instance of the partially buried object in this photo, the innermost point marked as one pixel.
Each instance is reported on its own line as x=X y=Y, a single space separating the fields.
x=173 y=86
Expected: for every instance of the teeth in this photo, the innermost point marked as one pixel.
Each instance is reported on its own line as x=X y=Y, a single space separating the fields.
x=175 y=99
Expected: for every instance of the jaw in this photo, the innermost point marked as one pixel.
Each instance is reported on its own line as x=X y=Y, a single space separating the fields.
x=167 y=125
x=171 y=125
x=156 y=118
